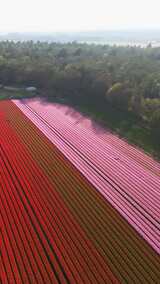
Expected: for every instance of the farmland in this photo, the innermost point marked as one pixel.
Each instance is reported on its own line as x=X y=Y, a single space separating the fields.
x=79 y=205
x=118 y=86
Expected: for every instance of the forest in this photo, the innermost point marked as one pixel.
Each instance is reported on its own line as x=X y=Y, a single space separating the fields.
x=119 y=86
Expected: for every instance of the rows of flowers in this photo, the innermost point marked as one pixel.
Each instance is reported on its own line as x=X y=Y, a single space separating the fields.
x=131 y=185
x=57 y=228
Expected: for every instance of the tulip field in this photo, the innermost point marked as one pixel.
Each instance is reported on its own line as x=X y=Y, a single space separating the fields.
x=78 y=204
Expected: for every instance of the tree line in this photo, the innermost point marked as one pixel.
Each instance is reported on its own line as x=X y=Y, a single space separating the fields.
x=126 y=79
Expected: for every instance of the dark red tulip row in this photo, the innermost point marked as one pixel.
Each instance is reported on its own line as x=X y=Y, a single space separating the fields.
x=131 y=187
x=40 y=235
x=56 y=228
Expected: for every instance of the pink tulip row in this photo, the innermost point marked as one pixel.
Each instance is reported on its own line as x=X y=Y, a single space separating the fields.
x=127 y=178
x=42 y=242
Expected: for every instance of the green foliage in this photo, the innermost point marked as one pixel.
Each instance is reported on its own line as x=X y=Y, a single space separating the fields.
x=119 y=95
x=101 y=77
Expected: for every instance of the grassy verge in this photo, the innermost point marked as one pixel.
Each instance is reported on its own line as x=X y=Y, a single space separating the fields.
x=5 y=95
x=126 y=125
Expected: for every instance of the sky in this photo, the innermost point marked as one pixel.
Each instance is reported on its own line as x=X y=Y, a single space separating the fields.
x=78 y=15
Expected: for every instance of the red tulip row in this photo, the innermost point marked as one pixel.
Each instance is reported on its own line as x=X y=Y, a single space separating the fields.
x=57 y=227
x=133 y=190
x=44 y=243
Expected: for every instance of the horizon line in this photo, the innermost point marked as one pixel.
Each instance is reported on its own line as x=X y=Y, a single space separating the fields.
x=84 y=31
